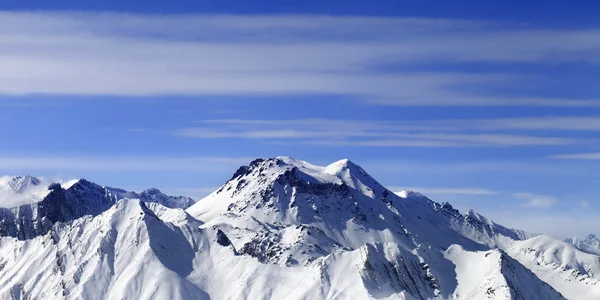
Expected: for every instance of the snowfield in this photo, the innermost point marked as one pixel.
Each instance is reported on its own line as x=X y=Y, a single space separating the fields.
x=280 y=228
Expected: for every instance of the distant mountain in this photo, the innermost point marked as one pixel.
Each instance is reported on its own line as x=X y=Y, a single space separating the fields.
x=282 y=228
x=41 y=204
x=591 y=244
x=17 y=190
x=21 y=183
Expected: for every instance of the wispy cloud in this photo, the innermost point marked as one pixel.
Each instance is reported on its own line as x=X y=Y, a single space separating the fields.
x=558 y=224
x=133 y=163
x=453 y=140
x=540 y=123
x=544 y=123
x=585 y=204
x=446 y=191
x=139 y=55
x=578 y=156
x=536 y=200
x=367 y=133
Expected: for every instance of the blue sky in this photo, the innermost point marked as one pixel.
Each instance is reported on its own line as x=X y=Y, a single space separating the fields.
x=491 y=106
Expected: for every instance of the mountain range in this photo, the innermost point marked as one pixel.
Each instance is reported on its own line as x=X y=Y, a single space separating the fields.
x=280 y=228
x=30 y=206
x=591 y=244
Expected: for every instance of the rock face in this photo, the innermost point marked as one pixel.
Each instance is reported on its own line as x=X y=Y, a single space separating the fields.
x=280 y=228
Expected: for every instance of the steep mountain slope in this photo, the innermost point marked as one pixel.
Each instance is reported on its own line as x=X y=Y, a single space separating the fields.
x=282 y=229
x=591 y=244
x=494 y=275
x=125 y=253
x=134 y=252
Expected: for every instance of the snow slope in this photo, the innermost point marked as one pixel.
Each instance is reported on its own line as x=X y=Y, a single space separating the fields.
x=495 y=275
x=572 y=272
x=129 y=252
x=284 y=229
x=124 y=253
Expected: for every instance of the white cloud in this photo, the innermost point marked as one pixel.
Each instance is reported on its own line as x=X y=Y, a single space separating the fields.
x=556 y=224
x=446 y=191
x=542 y=123
x=140 y=55
x=547 y=123
x=585 y=204
x=578 y=156
x=452 y=140
x=367 y=133
x=133 y=163
x=536 y=200
x=525 y=123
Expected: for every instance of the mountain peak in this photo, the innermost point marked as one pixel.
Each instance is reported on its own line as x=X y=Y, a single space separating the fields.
x=341 y=165
x=152 y=191
x=355 y=176
x=155 y=195
x=263 y=178
x=21 y=183
x=69 y=183
x=410 y=194
x=18 y=190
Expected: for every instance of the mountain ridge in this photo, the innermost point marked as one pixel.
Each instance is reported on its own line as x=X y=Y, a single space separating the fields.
x=591 y=244
x=281 y=228
x=67 y=202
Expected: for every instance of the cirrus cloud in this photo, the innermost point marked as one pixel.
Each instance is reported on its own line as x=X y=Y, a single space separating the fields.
x=446 y=191
x=365 y=133
x=536 y=200
x=93 y=53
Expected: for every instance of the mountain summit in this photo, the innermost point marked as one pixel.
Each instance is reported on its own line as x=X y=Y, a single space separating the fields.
x=21 y=183
x=282 y=228
x=17 y=190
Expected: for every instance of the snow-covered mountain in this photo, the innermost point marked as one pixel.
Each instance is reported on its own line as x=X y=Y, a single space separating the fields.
x=31 y=205
x=17 y=190
x=282 y=228
x=591 y=244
